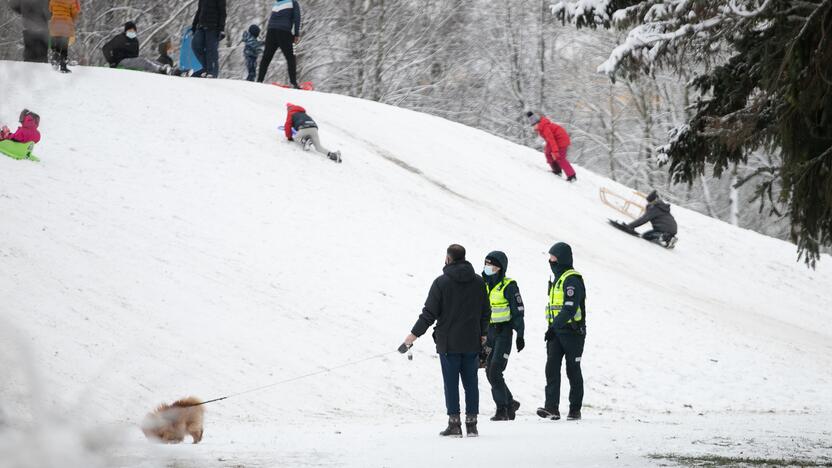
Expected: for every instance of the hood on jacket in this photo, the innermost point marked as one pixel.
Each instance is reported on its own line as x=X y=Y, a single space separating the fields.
x=563 y=252
x=661 y=205
x=30 y=123
x=460 y=271
x=294 y=108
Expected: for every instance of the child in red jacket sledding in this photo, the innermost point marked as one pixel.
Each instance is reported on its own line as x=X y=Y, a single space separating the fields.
x=28 y=131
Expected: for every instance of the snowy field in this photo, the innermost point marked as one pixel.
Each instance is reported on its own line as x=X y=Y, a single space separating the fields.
x=170 y=243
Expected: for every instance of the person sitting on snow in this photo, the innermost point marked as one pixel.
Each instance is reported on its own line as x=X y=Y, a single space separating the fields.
x=301 y=128
x=28 y=131
x=664 y=224
x=122 y=51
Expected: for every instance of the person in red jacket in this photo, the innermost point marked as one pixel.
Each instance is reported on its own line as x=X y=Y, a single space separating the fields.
x=557 y=144
x=28 y=131
x=300 y=127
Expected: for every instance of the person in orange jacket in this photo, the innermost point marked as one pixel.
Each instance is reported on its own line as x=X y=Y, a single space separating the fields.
x=62 y=28
x=557 y=144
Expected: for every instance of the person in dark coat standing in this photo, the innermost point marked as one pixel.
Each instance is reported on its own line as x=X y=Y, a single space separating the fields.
x=506 y=317
x=35 y=28
x=209 y=29
x=283 y=32
x=458 y=304
x=664 y=224
x=566 y=333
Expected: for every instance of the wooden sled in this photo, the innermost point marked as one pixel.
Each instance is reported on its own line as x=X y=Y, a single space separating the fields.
x=622 y=204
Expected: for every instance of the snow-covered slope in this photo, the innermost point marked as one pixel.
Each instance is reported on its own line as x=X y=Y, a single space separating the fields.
x=171 y=243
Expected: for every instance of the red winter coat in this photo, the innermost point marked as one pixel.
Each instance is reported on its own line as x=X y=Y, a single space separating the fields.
x=27 y=132
x=291 y=109
x=555 y=136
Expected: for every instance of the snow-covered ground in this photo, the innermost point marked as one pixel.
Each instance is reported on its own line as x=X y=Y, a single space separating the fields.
x=171 y=243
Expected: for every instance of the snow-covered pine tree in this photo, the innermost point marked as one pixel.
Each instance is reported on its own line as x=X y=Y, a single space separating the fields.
x=764 y=80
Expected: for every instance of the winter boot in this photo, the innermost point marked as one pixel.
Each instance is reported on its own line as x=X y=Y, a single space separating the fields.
x=556 y=170
x=544 y=413
x=501 y=415
x=306 y=143
x=512 y=409
x=670 y=243
x=64 y=69
x=471 y=425
x=335 y=156
x=573 y=415
x=572 y=178
x=454 y=428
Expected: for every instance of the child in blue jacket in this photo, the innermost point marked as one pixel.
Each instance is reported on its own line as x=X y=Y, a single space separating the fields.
x=252 y=50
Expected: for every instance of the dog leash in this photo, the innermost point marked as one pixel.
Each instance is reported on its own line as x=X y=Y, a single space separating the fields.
x=299 y=377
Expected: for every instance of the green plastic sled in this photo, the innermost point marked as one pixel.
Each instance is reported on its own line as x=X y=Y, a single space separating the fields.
x=17 y=150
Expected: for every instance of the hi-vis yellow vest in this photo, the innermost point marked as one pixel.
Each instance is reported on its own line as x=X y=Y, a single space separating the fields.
x=500 y=311
x=556 y=299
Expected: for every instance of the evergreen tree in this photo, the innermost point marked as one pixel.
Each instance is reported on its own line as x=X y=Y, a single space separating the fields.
x=764 y=81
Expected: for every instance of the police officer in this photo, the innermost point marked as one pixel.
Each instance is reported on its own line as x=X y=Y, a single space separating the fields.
x=506 y=317
x=566 y=316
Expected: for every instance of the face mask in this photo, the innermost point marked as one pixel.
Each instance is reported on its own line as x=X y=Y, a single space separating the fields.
x=131 y=34
x=554 y=267
x=490 y=270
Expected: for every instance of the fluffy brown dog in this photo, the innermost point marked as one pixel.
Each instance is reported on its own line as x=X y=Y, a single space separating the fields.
x=170 y=423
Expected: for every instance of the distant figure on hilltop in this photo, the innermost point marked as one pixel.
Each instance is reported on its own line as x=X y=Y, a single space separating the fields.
x=283 y=32
x=122 y=51
x=61 y=29
x=209 y=29
x=35 y=15
x=252 y=50
x=165 y=52
x=557 y=144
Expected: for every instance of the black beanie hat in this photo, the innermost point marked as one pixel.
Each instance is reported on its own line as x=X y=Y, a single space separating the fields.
x=652 y=196
x=498 y=259
x=254 y=30
x=130 y=25
x=534 y=119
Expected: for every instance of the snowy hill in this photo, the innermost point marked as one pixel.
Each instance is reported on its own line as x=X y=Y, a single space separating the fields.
x=170 y=243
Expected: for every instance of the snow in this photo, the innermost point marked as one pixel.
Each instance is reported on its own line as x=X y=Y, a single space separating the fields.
x=171 y=244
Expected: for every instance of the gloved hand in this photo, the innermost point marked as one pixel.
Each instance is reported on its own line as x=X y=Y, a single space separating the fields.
x=550 y=334
x=521 y=343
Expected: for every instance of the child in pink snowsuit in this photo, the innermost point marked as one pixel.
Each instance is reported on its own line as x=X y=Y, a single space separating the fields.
x=28 y=131
x=557 y=144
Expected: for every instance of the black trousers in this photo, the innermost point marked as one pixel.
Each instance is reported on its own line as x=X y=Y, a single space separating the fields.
x=499 y=339
x=35 y=46
x=284 y=40
x=60 y=46
x=653 y=235
x=571 y=346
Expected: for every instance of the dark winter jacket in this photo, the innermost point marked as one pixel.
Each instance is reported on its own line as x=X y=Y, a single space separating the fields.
x=574 y=291
x=657 y=213
x=253 y=47
x=210 y=15
x=35 y=14
x=459 y=305
x=285 y=16
x=119 y=48
x=511 y=292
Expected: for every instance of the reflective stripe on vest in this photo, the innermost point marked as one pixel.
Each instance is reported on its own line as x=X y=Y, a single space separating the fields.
x=500 y=310
x=556 y=299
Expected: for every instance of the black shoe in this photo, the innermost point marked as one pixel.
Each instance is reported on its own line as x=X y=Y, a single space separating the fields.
x=572 y=178
x=500 y=415
x=573 y=415
x=335 y=156
x=548 y=414
x=454 y=428
x=512 y=410
x=471 y=425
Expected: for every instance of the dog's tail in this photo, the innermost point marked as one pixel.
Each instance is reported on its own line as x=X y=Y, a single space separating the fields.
x=187 y=402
